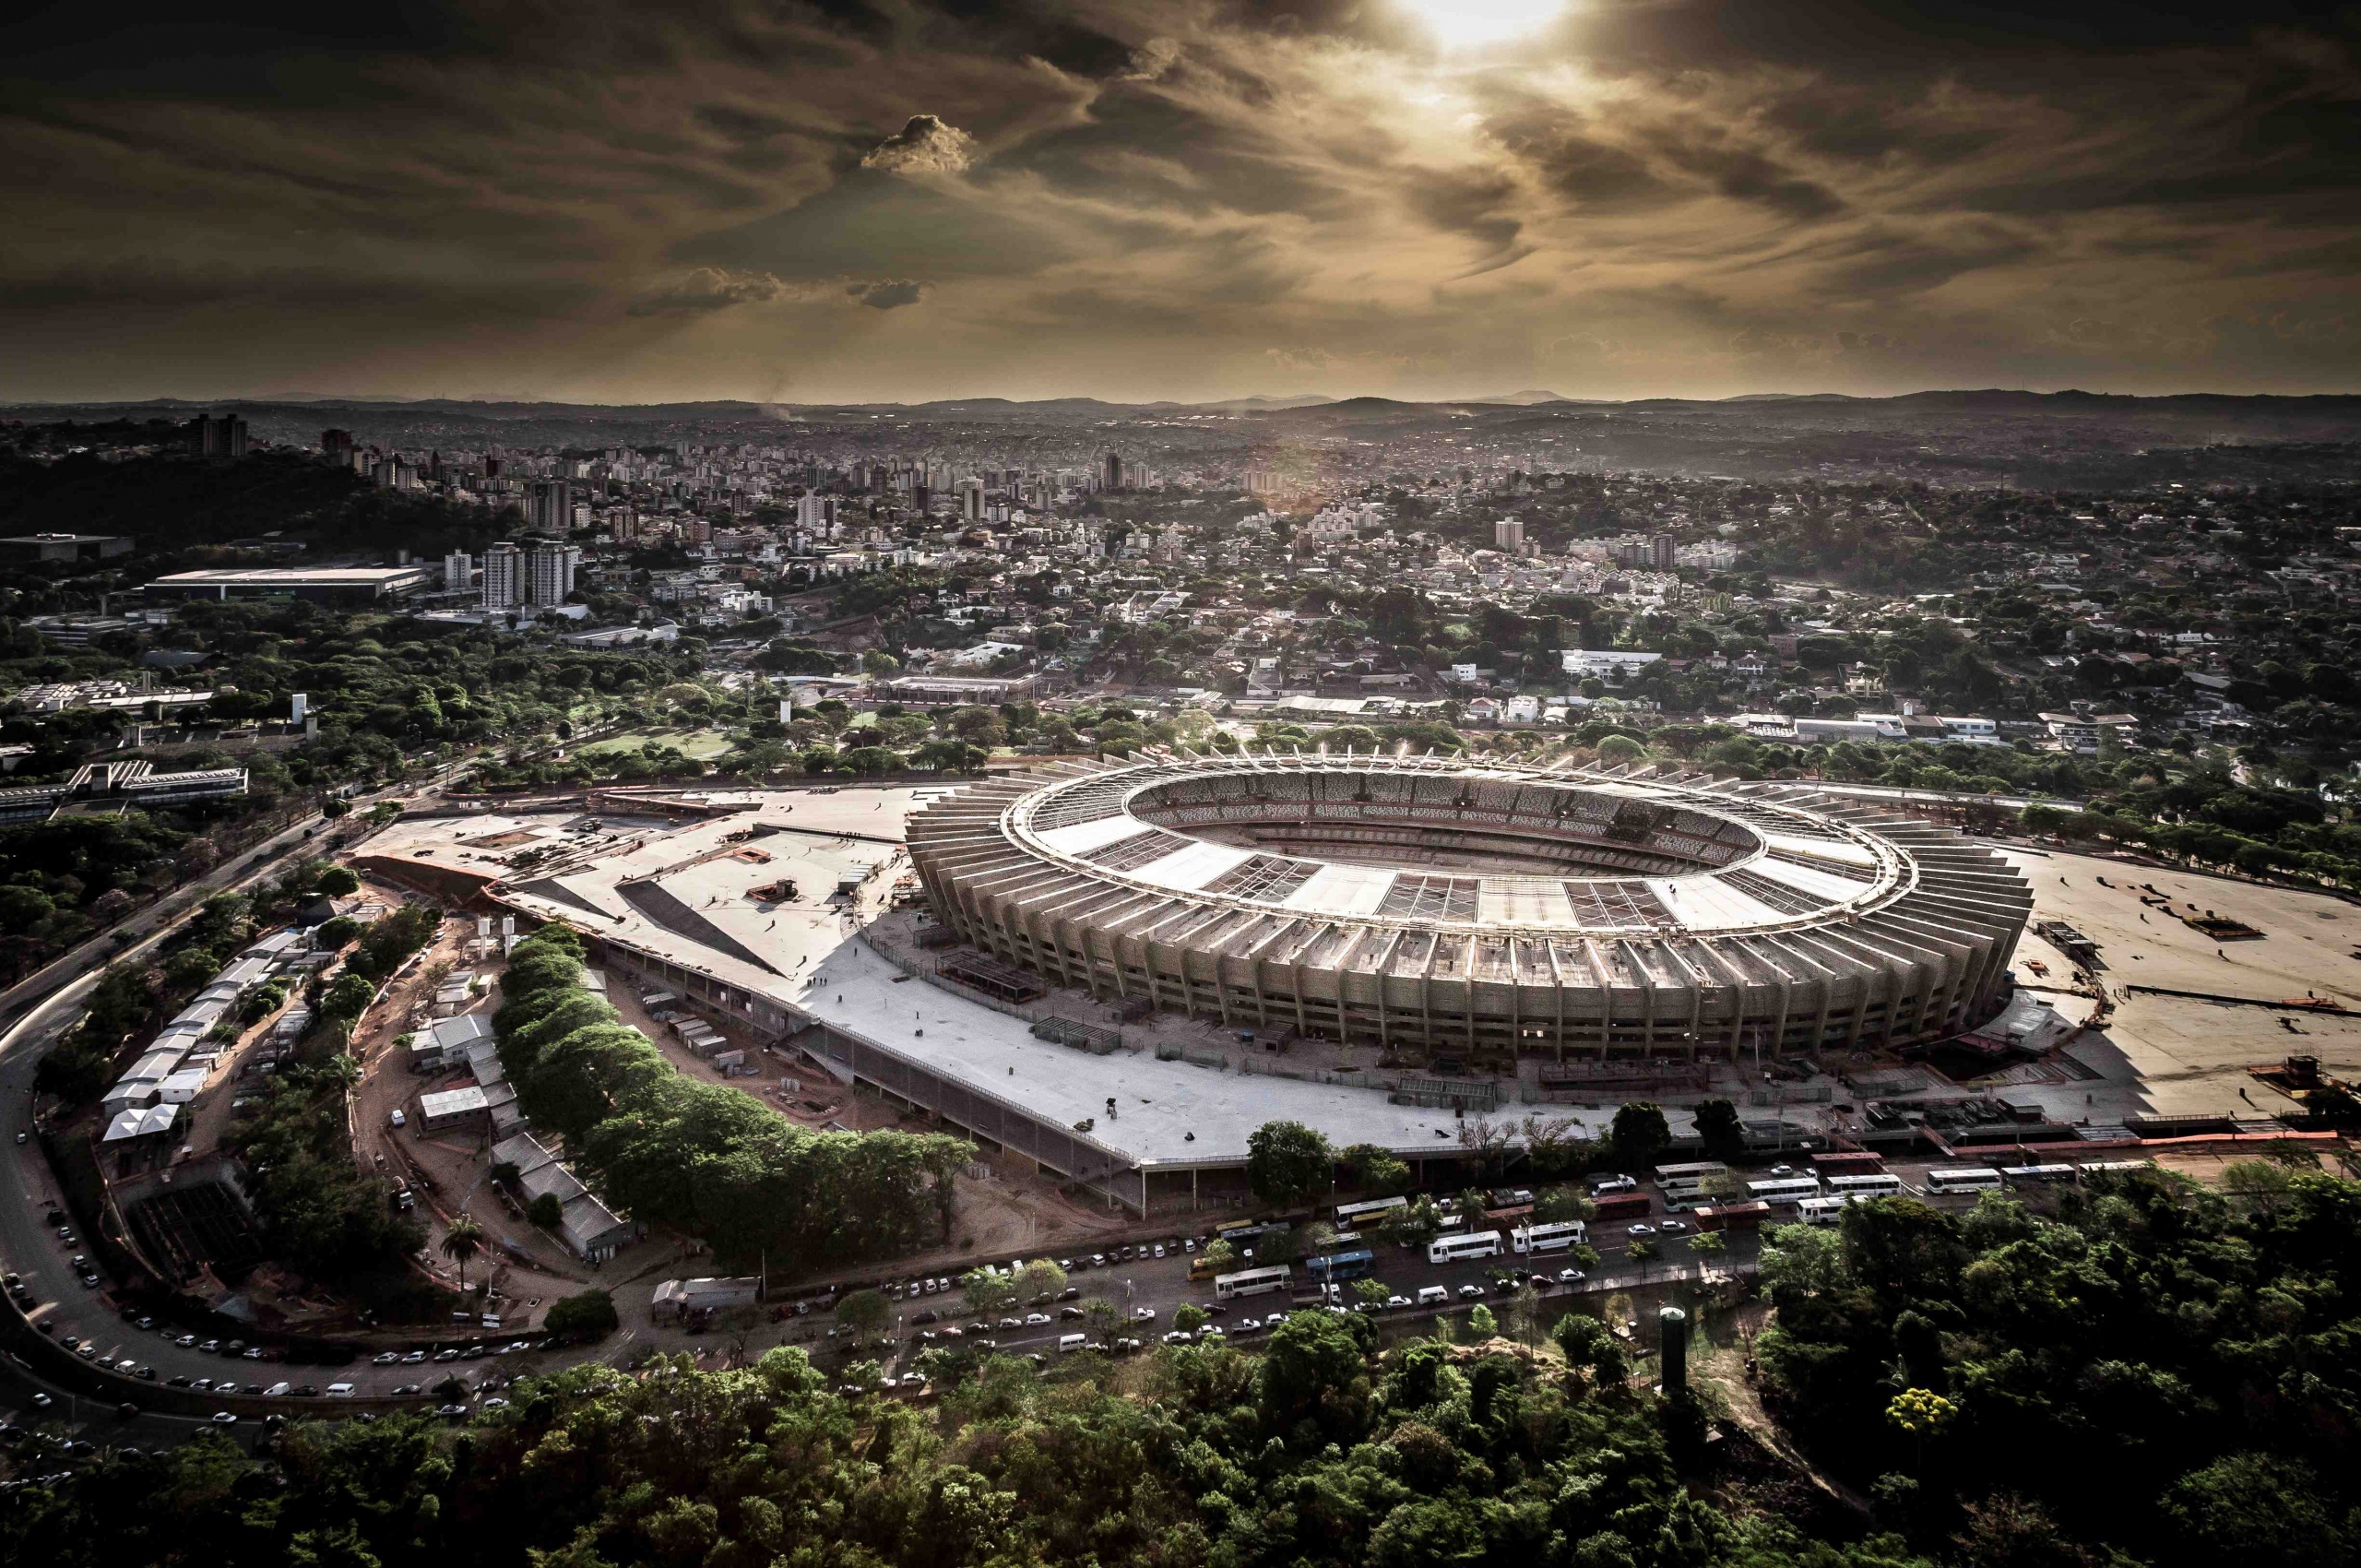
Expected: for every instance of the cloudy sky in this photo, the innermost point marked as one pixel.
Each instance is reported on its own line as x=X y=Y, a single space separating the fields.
x=898 y=199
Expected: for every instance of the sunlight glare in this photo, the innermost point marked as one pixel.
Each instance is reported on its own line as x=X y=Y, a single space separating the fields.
x=1475 y=24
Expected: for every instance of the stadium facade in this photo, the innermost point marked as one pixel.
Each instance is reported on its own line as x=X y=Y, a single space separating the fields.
x=1473 y=909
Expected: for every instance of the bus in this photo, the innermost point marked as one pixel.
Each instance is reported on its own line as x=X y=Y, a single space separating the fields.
x=1340 y=1266
x=1821 y=1211
x=1459 y=1249
x=1690 y=1176
x=1783 y=1189
x=1555 y=1238
x=2036 y=1175
x=1252 y=1282
x=1237 y=1231
x=1692 y=1199
x=2111 y=1167
x=1882 y=1185
x=1352 y=1217
x=1964 y=1179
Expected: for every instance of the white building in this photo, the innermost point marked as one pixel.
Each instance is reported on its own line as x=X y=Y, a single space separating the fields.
x=1586 y=663
x=458 y=571
x=504 y=576
x=549 y=573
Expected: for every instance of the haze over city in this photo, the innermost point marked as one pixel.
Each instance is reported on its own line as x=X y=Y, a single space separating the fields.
x=1413 y=198
x=1181 y=784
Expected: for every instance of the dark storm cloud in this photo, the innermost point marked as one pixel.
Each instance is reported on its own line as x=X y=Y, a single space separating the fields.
x=1646 y=194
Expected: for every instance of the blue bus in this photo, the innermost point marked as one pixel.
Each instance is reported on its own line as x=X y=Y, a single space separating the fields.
x=1340 y=1266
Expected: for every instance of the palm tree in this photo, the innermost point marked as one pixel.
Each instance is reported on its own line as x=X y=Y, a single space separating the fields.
x=463 y=1240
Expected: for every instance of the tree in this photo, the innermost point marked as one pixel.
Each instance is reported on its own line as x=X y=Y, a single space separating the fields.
x=1639 y=1136
x=866 y=1313
x=546 y=1211
x=1190 y=1317
x=1219 y=1256
x=1102 y=1317
x=1288 y=1163
x=463 y=1240
x=1555 y=1205
x=333 y=935
x=988 y=1293
x=587 y=1316
x=1040 y=1281
x=1718 y=1125
x=1372 y=1292
x=1375 y=1171
x=339 y=882
x=1481 y=1324
x=2258 y=1511
x=1586 y=1342
x=1642 y=1250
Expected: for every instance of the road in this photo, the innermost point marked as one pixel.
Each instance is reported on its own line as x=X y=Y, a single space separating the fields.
x=1163 y=1286
x=33 y=1014
x=38 y=1010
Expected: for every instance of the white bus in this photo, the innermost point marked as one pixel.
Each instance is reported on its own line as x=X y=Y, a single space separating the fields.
x=1554 y=1238
x=1821 y=1211
x=1881 y=1185
x=1353 y=1216
x=2035 y=1175
x=1688 y=1177
x=1783 y=1189
x=1252 y=1282
x=1459 y=1249
x=1964 y=1179
x=2111 y=1167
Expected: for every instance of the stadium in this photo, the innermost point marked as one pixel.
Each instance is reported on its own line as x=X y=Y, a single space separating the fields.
x=1462 y=911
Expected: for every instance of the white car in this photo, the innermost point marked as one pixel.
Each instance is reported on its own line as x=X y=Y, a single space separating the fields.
x=1275 y=1320
x=1037 y=1319
x=1643 y=1228
x=1143 y=1314
x=1571 y=1277
x=396 y=1118
x=1249 y=1326
x=278 y=1391
x=1178 y=1337
x=1675 y=1226
x=387 y=1359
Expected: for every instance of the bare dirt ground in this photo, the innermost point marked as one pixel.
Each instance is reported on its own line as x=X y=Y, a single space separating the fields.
x=528 y=1268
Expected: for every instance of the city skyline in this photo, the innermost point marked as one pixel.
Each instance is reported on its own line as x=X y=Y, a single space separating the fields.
x=1407 y=199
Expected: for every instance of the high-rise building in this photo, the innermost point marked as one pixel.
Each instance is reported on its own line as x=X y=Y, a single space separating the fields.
x=222 y=437
x=459 y=570
x=971 y=500
x=1662 y=549
x=549 y=573
x=550 y=506
x=1509 y=534
x=816 y=513
x=1110 y=476
x=504 y=576
x=337 y=444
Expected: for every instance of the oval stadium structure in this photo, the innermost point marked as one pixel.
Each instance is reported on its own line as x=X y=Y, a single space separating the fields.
x=1469 y=910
